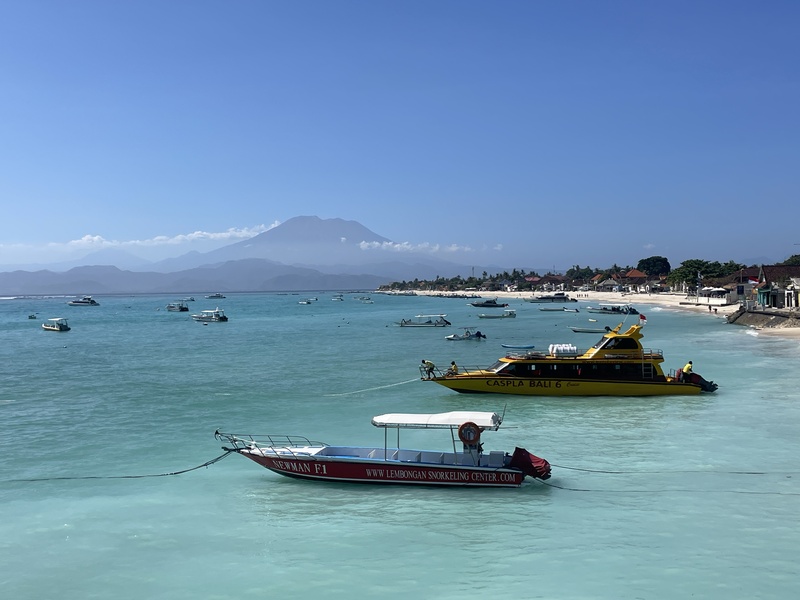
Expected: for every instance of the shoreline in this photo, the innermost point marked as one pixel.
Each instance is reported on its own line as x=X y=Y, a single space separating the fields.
x=678 y=301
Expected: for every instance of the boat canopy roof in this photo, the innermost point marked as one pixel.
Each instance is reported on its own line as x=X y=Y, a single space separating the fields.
x=448 y=420
x=427 y=316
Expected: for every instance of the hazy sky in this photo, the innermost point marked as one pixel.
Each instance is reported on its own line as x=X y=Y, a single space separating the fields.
x=528 y=134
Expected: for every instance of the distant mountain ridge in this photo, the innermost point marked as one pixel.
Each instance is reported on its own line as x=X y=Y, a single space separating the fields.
x=302 y=254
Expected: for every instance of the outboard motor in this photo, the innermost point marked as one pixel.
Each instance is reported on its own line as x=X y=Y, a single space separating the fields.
x=531 y=465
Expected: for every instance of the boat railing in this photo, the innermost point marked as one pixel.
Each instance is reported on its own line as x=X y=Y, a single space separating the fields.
x=275 y=443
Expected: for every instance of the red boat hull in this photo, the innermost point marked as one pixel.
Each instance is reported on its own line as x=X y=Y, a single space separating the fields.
x=379 y=471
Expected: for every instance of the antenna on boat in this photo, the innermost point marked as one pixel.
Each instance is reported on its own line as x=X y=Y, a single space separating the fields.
x=503 y=416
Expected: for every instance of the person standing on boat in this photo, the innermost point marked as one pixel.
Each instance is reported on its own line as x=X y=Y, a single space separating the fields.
x=687 y=371
x=428 y=367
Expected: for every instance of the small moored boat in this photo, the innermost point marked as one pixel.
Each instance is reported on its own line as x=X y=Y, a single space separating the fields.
x=591 y=329
x=211 y=316
x=613 y=309
x=508 y=313
x=467 y=466
x=555 y=297
x=470 y=333
x=491 y=303
x=178 y=307
x=425 y=321
x=57 y=324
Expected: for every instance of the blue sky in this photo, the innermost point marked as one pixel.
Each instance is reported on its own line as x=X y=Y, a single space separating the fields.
x=526 y=134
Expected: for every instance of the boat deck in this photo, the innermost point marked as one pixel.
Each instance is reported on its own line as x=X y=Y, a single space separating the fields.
x=396 y=455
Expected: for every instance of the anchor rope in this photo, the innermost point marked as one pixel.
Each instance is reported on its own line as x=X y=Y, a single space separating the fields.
x=667 y=491
x=662 y=471
x=205 y=464
x=380 y=387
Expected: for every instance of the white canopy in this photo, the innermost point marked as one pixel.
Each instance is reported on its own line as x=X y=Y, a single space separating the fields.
x=448 y=420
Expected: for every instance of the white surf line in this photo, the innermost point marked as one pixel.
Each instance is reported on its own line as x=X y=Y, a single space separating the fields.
x=380 y=387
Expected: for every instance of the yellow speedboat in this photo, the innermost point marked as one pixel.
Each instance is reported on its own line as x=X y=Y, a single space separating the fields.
x=617 y=365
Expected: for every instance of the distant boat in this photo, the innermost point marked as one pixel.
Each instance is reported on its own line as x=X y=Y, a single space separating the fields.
x=555 y=297
x=425 y=321
x=518 y=346
x=470 y=333
x=211 y=316
x=492 y=303
x=590 y=329
x=85 y=301
x=508 y=313
x=614 y=309
x=215 y=296
x=57 y=324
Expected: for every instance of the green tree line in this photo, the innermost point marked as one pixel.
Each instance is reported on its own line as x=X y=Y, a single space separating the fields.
x=654 y=267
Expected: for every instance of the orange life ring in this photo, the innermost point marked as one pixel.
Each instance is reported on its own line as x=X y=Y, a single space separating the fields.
x=469 y=433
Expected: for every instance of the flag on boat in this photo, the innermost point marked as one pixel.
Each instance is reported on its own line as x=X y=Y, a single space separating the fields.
x=642 y=319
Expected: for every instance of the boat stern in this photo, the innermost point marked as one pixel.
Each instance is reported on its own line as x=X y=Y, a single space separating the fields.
x=530 y=464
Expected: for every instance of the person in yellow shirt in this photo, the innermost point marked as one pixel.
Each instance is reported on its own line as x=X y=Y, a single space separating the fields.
x=687 y=371
x=452 y=369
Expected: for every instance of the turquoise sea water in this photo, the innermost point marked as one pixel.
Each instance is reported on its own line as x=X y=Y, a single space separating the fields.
x=671 y=497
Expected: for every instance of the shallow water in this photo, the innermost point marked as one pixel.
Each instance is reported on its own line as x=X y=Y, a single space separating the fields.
x=667 y=497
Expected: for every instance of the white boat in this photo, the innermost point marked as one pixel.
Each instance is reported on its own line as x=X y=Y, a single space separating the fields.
x=211 y=316
x=85 y=301
x=425 y=321
x=57 y=324
x=215 y=296
x=464 y=463
x=613 y=309
x=591 y=329
x=178 y=306
x=470 y=333
x=555 y=297
x=491 y=303
x=508 y=313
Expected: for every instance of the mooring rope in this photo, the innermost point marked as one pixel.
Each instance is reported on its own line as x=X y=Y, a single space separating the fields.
x=380 y=387
x=662 y=471
x=665 y=491
x=205 y=464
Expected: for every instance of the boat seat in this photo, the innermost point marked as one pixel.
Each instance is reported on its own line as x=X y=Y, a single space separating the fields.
x=496 y=458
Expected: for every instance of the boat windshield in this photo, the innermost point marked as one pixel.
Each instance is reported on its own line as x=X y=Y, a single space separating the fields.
x=617 y=343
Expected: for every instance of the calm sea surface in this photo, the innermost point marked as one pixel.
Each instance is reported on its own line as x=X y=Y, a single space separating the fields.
x=671 y=497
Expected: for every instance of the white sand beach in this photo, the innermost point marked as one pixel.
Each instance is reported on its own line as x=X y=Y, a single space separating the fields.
x=679 y=301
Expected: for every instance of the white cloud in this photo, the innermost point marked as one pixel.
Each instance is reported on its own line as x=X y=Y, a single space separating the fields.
x=168 y=245
x=408 y=247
